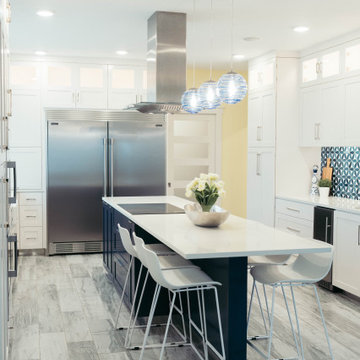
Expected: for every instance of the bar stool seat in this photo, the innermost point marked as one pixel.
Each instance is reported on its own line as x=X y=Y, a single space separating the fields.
x=306 y=270
x=160 y=249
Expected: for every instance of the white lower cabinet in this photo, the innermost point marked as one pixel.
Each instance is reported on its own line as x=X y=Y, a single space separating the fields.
x=30 y=238
x=30 y=220
x=300 y=227
x=347 y=252
x=261 y=185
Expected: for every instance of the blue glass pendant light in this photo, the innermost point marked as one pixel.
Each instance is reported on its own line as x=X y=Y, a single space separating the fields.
x=232 y=86
x=190 y=99
x=208 y=91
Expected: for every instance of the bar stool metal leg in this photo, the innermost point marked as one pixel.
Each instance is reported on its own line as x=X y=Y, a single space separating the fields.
x=123 y=292
x=151 y=316
x=297 y=322
x=323 y=322
x=290 y=320
x=271 y=323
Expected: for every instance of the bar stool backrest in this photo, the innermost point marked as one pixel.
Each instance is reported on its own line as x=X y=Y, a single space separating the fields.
x=314 y=267
x=126 y=241
x=151 y=261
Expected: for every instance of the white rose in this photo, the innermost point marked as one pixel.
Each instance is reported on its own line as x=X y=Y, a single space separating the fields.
x=201 y=186
x=222 y=192
x=188 y=193
x=213 y=177
x=203 y=176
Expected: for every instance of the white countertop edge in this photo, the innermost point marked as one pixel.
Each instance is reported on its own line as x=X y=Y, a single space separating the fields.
x=192 y=256
x=332 y=202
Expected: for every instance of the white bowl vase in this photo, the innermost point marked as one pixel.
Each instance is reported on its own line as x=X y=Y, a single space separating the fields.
x=324 y=192
x=215 y=217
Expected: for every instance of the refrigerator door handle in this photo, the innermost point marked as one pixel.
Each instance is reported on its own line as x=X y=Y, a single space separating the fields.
x=105 y=166
x=12 y=165
x=13 y=272
x=112 y=167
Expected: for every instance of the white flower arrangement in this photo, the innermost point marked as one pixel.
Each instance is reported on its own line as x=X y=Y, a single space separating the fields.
x=207 y=189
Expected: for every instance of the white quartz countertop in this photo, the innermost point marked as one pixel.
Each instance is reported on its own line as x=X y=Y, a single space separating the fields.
x=237 y=237
x=332 y=202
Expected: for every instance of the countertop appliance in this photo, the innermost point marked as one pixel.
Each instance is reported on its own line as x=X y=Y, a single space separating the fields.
x=154 y=208
x=324 y=231
x=91 y=154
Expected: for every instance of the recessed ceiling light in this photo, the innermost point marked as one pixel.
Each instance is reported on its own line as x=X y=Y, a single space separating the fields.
x=45 y=13
x=301 y=29
x=40 y=53
x=151 y=59
x=238 y=56
x=251 y=38
x=121 y=52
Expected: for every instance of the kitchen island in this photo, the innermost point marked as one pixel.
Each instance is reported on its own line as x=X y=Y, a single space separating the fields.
x=221 y=252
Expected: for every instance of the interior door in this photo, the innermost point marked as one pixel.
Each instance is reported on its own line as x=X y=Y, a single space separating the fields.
x=76 y=180
x=138 y=156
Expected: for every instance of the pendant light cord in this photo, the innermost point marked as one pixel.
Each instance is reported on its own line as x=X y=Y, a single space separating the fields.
x=212 y=33
x=232 y=35
x=194 y=62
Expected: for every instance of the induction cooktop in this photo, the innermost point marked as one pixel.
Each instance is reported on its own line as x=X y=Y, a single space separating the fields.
x=153 y=208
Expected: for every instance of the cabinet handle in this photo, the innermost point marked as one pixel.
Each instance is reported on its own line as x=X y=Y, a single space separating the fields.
x=359 y=235
x=293 y=229
x=10 y=102
x=30 y=199
x=292 y=209
x=5 y=146
x=258 y=164
x=73 y=97
x=31 y=238
x=318 y=67
x=8 y=9
x=259 y=133
x=78 y=97
x=317 y=131
x=30 y=216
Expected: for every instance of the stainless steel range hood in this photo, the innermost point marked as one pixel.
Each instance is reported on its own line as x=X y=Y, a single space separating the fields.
x=166 y=63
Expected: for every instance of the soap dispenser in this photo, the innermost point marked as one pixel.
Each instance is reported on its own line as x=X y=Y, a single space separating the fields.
x=315 y=181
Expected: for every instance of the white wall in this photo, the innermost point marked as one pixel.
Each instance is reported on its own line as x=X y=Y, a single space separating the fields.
x=293 y=164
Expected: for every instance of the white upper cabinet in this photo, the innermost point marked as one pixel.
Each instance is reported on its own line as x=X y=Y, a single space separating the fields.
x=127 y=86
x=25 y=75
x=323 y=66
x=262 y=76
x=322 y=114
x=25 y=124
x=70 y=85
x=60 y=85
x=261 y=119
x=352 y=111
x=92 y=93
x=352 y=58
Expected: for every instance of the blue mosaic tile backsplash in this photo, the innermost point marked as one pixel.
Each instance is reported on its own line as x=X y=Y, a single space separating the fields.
x=345 y=162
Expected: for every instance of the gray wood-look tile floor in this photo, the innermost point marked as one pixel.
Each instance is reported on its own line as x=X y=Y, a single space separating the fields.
x=63 y=309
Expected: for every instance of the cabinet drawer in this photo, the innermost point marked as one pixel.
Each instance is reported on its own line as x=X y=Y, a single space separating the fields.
x=30 y=198
x=30 y=216
x=300 y=227
x=31 y=238
x=295 y=209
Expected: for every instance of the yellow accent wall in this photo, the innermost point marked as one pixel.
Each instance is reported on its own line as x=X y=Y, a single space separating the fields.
x=234 y=145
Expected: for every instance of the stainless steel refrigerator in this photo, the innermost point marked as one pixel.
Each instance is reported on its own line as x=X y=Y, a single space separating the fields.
x=91 y=154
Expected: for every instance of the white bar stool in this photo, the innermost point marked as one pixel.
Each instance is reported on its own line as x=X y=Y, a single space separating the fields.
x=263 y=260
x=306 y=270
x=168 y=260
x=178 y=281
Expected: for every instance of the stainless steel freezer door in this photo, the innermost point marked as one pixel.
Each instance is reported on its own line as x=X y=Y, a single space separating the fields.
x=76 y=175
x=137 y=156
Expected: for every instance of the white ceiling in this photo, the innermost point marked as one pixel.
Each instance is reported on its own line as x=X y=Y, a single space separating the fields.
x=100 y=27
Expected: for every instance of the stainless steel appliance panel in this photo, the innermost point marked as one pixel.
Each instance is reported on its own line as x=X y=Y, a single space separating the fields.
x=76 y=180
x=137 y=156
